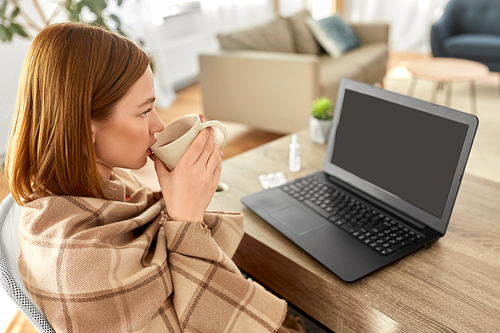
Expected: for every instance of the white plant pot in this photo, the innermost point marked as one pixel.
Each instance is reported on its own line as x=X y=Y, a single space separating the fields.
x=319 y=129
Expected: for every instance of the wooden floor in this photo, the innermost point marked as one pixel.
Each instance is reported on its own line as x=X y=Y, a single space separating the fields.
x=241 y=138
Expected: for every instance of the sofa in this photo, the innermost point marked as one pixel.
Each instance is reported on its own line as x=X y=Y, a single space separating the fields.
x=469 y=29
x=268 y=76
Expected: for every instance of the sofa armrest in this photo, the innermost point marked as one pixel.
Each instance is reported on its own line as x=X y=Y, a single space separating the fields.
x=267 y=90
x=375 y=32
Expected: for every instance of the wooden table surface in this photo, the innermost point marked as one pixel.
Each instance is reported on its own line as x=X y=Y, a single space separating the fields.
x=452 y=287
x=448 y=69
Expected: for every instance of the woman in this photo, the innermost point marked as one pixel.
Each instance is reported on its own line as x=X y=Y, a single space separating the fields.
x=100 y=252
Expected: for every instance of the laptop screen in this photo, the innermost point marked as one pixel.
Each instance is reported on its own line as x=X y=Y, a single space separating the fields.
x=404 y=151
x=407 y=153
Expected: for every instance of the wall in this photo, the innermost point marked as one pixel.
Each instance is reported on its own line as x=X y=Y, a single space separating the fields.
x=11 y=60
x=183 y=37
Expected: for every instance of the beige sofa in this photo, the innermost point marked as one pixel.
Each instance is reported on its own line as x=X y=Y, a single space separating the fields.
x=273 y=91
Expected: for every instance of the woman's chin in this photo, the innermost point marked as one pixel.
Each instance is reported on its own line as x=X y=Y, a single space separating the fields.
x=138 y=165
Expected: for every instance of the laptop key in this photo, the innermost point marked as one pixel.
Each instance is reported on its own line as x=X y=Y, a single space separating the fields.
x=317 y=209
x=368 y=225
x=386 y=251
x=339 y=222
x=347 y=228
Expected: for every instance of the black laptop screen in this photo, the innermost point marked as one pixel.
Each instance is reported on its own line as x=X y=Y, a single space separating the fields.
x=415 y=160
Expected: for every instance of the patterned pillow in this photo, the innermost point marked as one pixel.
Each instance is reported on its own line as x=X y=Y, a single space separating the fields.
x=334 y=35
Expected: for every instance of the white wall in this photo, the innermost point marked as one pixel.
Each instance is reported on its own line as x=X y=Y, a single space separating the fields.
x=11 y=60
x=179 y=41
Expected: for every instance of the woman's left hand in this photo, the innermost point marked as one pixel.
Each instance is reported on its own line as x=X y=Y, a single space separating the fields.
x=189 y=188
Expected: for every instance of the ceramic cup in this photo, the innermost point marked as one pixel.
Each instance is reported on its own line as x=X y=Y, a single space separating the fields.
x=173 y=142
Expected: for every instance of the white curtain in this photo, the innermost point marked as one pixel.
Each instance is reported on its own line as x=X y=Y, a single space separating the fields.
x=410 y=20
x=223 y=16
x=137 y=18
x=318 y=8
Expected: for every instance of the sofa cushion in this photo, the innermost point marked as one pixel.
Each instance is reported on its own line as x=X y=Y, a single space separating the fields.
x=473 y=46
x=303 y=38
x=365 y=64
x=273 y=36
x=334 y=35
x=372 y=59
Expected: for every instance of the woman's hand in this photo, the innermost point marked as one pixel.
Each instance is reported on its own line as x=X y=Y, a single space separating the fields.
x=189 y=188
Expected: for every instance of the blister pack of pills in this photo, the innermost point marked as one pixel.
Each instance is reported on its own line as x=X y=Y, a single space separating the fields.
x=272 y=180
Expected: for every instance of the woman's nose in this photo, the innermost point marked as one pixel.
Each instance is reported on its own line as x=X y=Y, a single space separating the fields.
x=157 y=125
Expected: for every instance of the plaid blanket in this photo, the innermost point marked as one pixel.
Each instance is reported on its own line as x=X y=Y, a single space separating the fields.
x=94 y=265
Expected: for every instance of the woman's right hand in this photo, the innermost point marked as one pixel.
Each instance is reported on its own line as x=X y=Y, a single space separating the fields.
x=189 y=188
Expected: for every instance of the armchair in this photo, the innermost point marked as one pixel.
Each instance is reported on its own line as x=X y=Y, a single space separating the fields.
x=469 y=30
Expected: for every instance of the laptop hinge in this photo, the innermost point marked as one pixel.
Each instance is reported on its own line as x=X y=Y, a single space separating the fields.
x=376 y=202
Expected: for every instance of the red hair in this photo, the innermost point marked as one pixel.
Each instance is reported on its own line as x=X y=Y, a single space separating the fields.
x=73 y=73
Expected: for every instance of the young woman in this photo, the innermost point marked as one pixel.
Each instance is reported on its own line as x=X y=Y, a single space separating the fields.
x=100 y=252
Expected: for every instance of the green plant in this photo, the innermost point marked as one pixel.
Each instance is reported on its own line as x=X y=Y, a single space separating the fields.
x=9 y=19
x=14 y=21
x=322 y=108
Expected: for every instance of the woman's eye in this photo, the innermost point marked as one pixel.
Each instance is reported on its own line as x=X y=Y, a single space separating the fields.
x=146 y=112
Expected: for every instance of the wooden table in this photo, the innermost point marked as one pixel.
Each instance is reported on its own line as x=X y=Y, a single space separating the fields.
x=445 y=71
x=452 y=287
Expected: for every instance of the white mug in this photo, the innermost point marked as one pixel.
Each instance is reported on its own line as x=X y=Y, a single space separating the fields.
x=173 y=142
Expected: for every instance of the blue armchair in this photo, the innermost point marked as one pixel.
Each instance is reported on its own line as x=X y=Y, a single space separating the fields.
x=469 y=29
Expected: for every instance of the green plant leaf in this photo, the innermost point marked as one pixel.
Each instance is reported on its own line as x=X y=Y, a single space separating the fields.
x=19 y=29
x=121 y=32
x=95 y=6
x=3 y=8
x=322 y=108
x=100 y=23
x=120 y=2
x=4 y=33
x=116 y=19
x=15 y=13
x=73 y=10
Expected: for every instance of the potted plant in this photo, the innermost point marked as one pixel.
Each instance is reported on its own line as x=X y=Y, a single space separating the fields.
x=15 y=21
x=320 y=120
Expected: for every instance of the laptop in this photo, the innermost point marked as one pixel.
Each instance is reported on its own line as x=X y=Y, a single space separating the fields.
x=391 y=174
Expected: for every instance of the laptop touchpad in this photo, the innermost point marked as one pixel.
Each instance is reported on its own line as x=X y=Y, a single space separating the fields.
x=297 y=220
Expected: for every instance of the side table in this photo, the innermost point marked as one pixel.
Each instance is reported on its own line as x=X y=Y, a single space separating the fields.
x=445 y=71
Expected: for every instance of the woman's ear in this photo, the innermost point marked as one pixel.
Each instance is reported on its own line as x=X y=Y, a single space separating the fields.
x=93 y=127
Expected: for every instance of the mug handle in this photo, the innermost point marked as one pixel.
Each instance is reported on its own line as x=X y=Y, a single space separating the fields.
x=220 y=126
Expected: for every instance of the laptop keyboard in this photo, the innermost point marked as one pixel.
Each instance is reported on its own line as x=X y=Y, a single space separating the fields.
x=370 y=226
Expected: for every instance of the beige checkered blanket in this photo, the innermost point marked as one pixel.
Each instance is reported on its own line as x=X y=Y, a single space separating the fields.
x=94 y=265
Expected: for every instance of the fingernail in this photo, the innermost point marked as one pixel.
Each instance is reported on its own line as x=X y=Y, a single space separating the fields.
x=221 y=154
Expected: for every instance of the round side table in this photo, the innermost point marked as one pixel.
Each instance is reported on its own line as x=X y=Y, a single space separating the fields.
x=445 y=71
